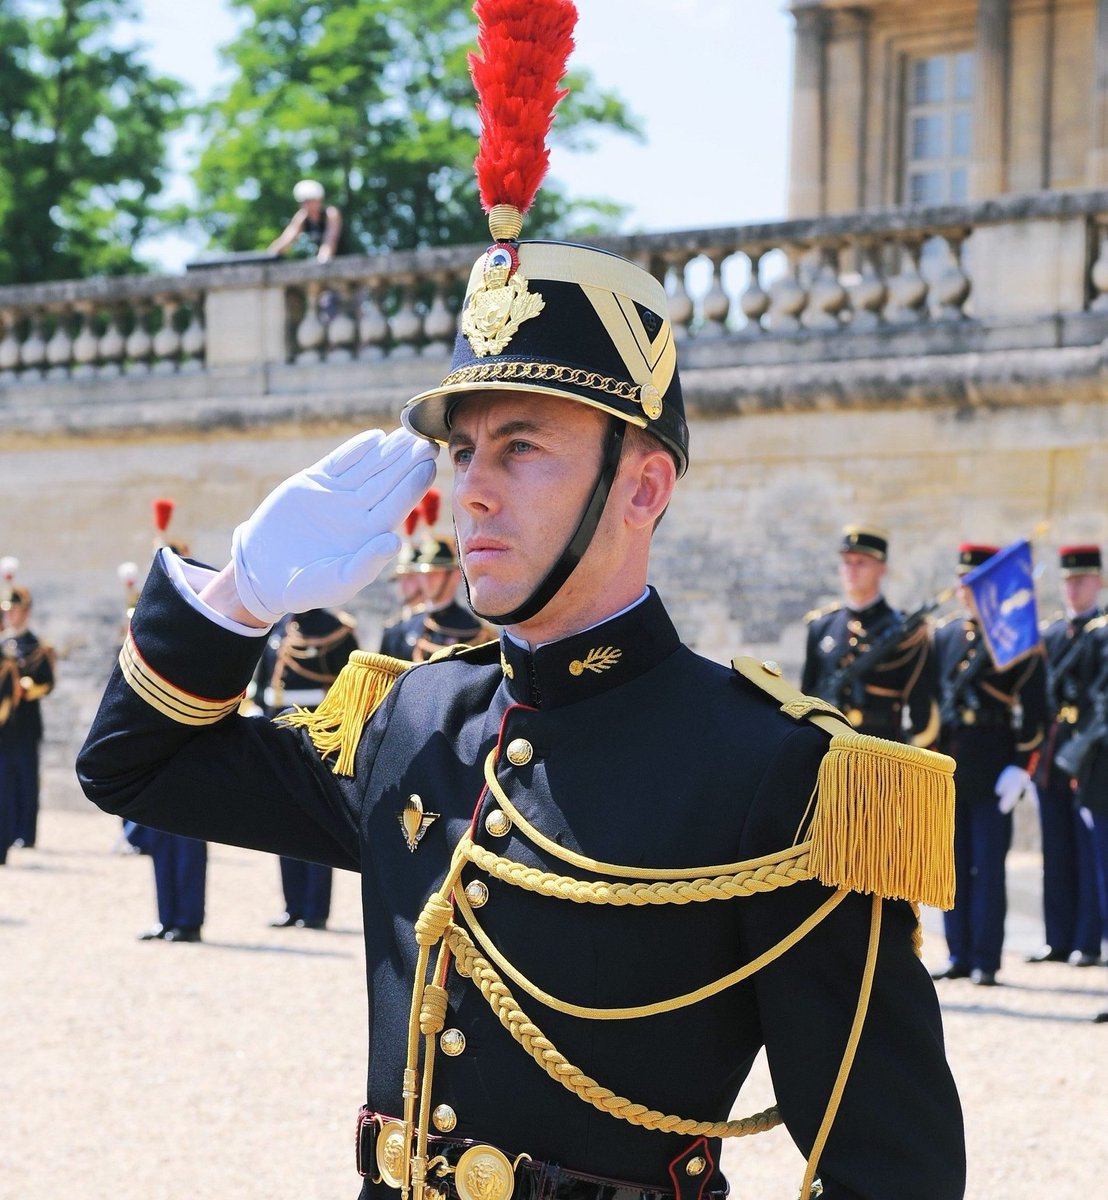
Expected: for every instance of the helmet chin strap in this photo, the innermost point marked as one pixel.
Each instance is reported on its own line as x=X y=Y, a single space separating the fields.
x=575 y=548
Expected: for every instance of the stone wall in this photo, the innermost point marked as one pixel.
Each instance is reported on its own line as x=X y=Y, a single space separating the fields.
x=746 y=549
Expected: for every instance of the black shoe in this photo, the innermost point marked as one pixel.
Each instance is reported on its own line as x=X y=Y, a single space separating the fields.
x=1080 y=959
x=155 y=932
x=983 y=978
x=1101 y=1017
x=284 y=921
x=950 y=970
x=1047 y=953
x=184 y=933
x=305 y=923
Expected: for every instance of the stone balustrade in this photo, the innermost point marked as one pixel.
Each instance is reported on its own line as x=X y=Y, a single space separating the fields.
x=735 y=293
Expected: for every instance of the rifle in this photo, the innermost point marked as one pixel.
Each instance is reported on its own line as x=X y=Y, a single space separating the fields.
x=898 y=629
x=962 y=682
x=1074 y=755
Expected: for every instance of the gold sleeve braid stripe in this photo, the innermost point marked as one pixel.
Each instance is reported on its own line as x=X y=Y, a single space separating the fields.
x=170 y=700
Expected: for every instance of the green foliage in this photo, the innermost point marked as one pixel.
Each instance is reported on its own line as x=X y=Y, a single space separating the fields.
x=373 y=99
x=83 y=125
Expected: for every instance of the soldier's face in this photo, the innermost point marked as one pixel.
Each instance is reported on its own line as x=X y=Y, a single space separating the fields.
x=860 y=574
x=523 y=469
x=1081 y=592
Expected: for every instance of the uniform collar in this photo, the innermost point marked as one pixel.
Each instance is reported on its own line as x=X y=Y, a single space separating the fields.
x=865 y=615
x=586 y=664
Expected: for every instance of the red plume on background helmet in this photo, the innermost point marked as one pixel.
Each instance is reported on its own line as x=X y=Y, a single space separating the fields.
x=519 y=40
x=430 y=505
x=163 y=510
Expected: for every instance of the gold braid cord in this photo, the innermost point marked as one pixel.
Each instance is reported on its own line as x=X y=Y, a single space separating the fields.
x=646 y=886
x=555 y=1064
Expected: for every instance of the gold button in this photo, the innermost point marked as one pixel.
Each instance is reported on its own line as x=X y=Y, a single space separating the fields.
x=772 y=667
x=452 y=1042
x=444 y=1118
x=519 y=752
x=498 y=822
x=477 y=893
x=695 y=1166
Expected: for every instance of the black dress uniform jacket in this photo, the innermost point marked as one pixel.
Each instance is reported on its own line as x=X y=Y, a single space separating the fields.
x=26 y=675
x=424 y=633
x=661 y=758
x=997 y=720
x=1068 y=646
x=1092 y=784
x=903 y=679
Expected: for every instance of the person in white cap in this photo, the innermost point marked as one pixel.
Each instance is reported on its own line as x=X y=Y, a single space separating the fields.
x=315 y=228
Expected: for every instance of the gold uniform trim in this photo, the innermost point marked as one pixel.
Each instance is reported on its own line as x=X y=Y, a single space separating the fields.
x=546 y=372
x=170 y=700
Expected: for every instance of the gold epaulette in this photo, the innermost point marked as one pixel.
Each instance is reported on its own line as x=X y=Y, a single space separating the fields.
x=883 y=820
x=1046 y=622
x=948 y=618
x=1097 y=623
x=335 y=727
x=815 y=613
x=459 y=648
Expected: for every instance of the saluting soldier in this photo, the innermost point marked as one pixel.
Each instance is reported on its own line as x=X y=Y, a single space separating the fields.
x=992 y=726
x=302 y=658
x=26 y=676
x=1071 y=902
x=442 y=620
x=889 y=693
x=599 y=871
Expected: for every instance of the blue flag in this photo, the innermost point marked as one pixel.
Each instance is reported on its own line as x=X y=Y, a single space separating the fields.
x=1003 y=589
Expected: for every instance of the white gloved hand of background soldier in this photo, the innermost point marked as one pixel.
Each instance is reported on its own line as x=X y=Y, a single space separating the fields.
x=318 y=538
x=1012 y=785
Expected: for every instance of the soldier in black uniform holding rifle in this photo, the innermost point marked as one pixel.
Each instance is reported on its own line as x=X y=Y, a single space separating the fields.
x=872 y=662
x=581 y=843
x=992 y=726
x=1071 y=903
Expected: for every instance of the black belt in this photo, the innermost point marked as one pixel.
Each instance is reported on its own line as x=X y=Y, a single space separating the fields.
x=534 y=1180
x=982 y=718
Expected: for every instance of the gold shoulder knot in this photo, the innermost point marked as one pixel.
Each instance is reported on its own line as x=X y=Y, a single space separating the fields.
x=1100 y=622
x=815 y=613
x=883 y=820
x=335 y=727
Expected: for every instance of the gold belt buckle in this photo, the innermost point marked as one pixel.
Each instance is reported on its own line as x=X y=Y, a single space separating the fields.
x=969 y=717
x=485 y=1173
x=391 y=1146
x=855 y=716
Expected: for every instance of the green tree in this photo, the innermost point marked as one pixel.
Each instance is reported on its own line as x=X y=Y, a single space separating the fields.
x=83 y=127
x=373 y=99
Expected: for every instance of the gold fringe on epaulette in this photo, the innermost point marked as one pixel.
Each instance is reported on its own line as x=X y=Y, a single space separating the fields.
x=335 y=726
x=884 y=820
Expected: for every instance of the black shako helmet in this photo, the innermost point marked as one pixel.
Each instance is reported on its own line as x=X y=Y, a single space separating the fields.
x=550 y=318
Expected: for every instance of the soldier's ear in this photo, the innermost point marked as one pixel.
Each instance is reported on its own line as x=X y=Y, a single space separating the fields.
x=651 y=476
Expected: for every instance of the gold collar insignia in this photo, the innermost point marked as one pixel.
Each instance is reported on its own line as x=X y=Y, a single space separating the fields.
x=600 y=658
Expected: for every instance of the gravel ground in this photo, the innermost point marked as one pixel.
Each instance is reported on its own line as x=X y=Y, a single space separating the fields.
x=233 y=1069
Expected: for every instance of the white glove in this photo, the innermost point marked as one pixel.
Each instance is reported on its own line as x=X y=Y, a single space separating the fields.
x=322 y=535
x=1013 y=783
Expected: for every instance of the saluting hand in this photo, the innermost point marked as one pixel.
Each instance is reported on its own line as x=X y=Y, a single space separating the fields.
x=326 y=532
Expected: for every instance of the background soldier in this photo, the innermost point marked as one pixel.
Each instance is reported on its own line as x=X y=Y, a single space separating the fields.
x=1071 y=902
x=303 y=656
x=442 y=621
x=409 y=581
x=26 y=675
x=888 y=692
x=180 y=863
x=992 y=723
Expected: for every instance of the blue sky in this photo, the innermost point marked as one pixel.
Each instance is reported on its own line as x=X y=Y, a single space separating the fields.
x=709 y=78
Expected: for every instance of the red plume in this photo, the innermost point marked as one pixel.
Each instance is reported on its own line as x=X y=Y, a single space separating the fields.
x=163 y=510
x=430 y=505
x=412 y=519
x=524 y=47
